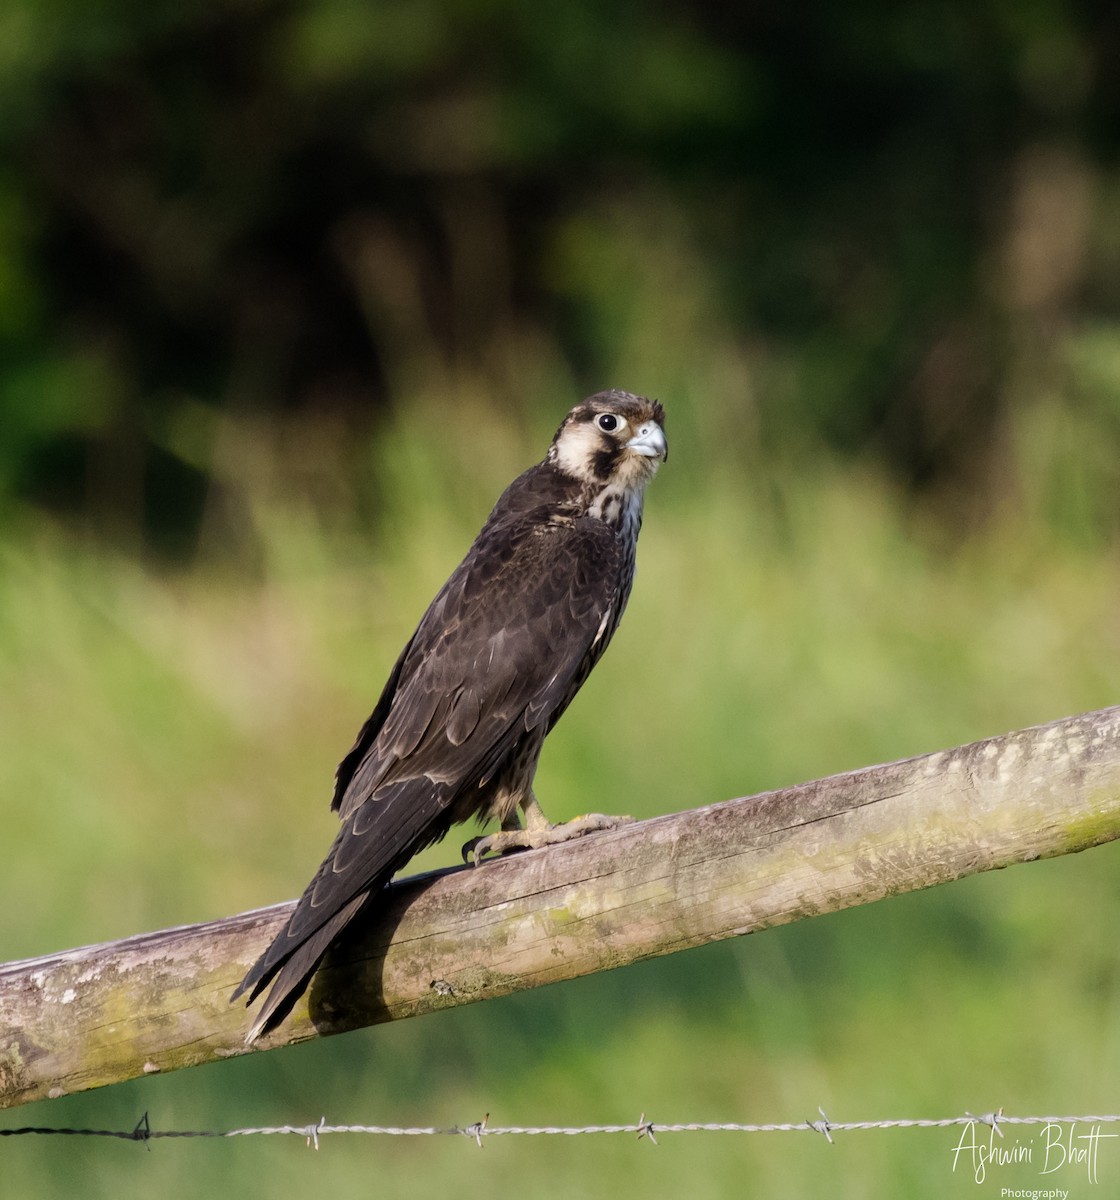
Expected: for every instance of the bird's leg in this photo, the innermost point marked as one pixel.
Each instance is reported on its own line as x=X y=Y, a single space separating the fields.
x=539 y=831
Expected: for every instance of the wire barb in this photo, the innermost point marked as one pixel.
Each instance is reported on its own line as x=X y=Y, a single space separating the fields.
x=143 y=1131
x=822 y=1126
x=477 y=1130
x=313 y=1132
x=993 y=1119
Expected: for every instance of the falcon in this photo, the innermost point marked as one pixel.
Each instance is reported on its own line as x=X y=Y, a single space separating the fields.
x=497 y=658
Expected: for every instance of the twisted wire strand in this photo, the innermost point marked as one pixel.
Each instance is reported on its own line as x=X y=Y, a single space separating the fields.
x=643 y=1128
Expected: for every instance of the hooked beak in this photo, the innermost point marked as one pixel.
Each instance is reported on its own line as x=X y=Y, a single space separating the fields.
x=649 y=441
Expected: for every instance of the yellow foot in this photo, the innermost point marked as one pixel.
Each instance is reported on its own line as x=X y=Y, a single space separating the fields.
x=532 y=839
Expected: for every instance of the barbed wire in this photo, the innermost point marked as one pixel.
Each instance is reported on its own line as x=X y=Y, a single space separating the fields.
x=643 y=1128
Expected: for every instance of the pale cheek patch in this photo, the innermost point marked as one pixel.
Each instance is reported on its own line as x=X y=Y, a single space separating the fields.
x=576 y=450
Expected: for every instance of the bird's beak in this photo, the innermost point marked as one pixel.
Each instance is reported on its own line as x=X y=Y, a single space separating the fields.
x=650 y=442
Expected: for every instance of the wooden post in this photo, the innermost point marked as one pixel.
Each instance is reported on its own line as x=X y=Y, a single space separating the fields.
x=159 y=1001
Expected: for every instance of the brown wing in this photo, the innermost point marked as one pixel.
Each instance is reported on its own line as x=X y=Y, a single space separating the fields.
x=500 y=651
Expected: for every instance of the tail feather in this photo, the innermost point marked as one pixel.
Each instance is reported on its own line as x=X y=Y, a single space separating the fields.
x=291 y=973
x=376 y=838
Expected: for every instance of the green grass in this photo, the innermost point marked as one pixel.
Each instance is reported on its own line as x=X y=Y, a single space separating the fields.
x=166 y=750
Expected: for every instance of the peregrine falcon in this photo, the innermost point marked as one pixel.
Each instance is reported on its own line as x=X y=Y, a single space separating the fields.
x=505 y=645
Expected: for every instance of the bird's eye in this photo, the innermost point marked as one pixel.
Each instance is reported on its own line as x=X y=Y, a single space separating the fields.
x=607 y=422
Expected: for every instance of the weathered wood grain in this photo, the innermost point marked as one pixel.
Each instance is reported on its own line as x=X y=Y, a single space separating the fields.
x=159 y=1001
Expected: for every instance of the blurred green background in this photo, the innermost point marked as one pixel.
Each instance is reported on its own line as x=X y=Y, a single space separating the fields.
x=290 y=290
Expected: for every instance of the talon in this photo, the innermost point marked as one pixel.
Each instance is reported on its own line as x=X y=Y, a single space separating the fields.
x=506 y=841
x=474 y=850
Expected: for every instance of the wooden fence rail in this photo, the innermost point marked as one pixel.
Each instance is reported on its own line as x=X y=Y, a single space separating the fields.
x=159 y=1001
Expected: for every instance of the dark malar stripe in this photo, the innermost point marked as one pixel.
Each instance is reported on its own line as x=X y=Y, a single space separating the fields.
x=603 y=461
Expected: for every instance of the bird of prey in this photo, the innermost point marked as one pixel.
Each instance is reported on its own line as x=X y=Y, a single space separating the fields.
x=505 y=645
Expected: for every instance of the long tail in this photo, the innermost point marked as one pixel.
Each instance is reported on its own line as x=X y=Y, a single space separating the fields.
x=290 y=972
x=376 y=839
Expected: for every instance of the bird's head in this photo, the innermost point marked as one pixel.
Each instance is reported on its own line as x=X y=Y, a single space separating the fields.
x=612 y=438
